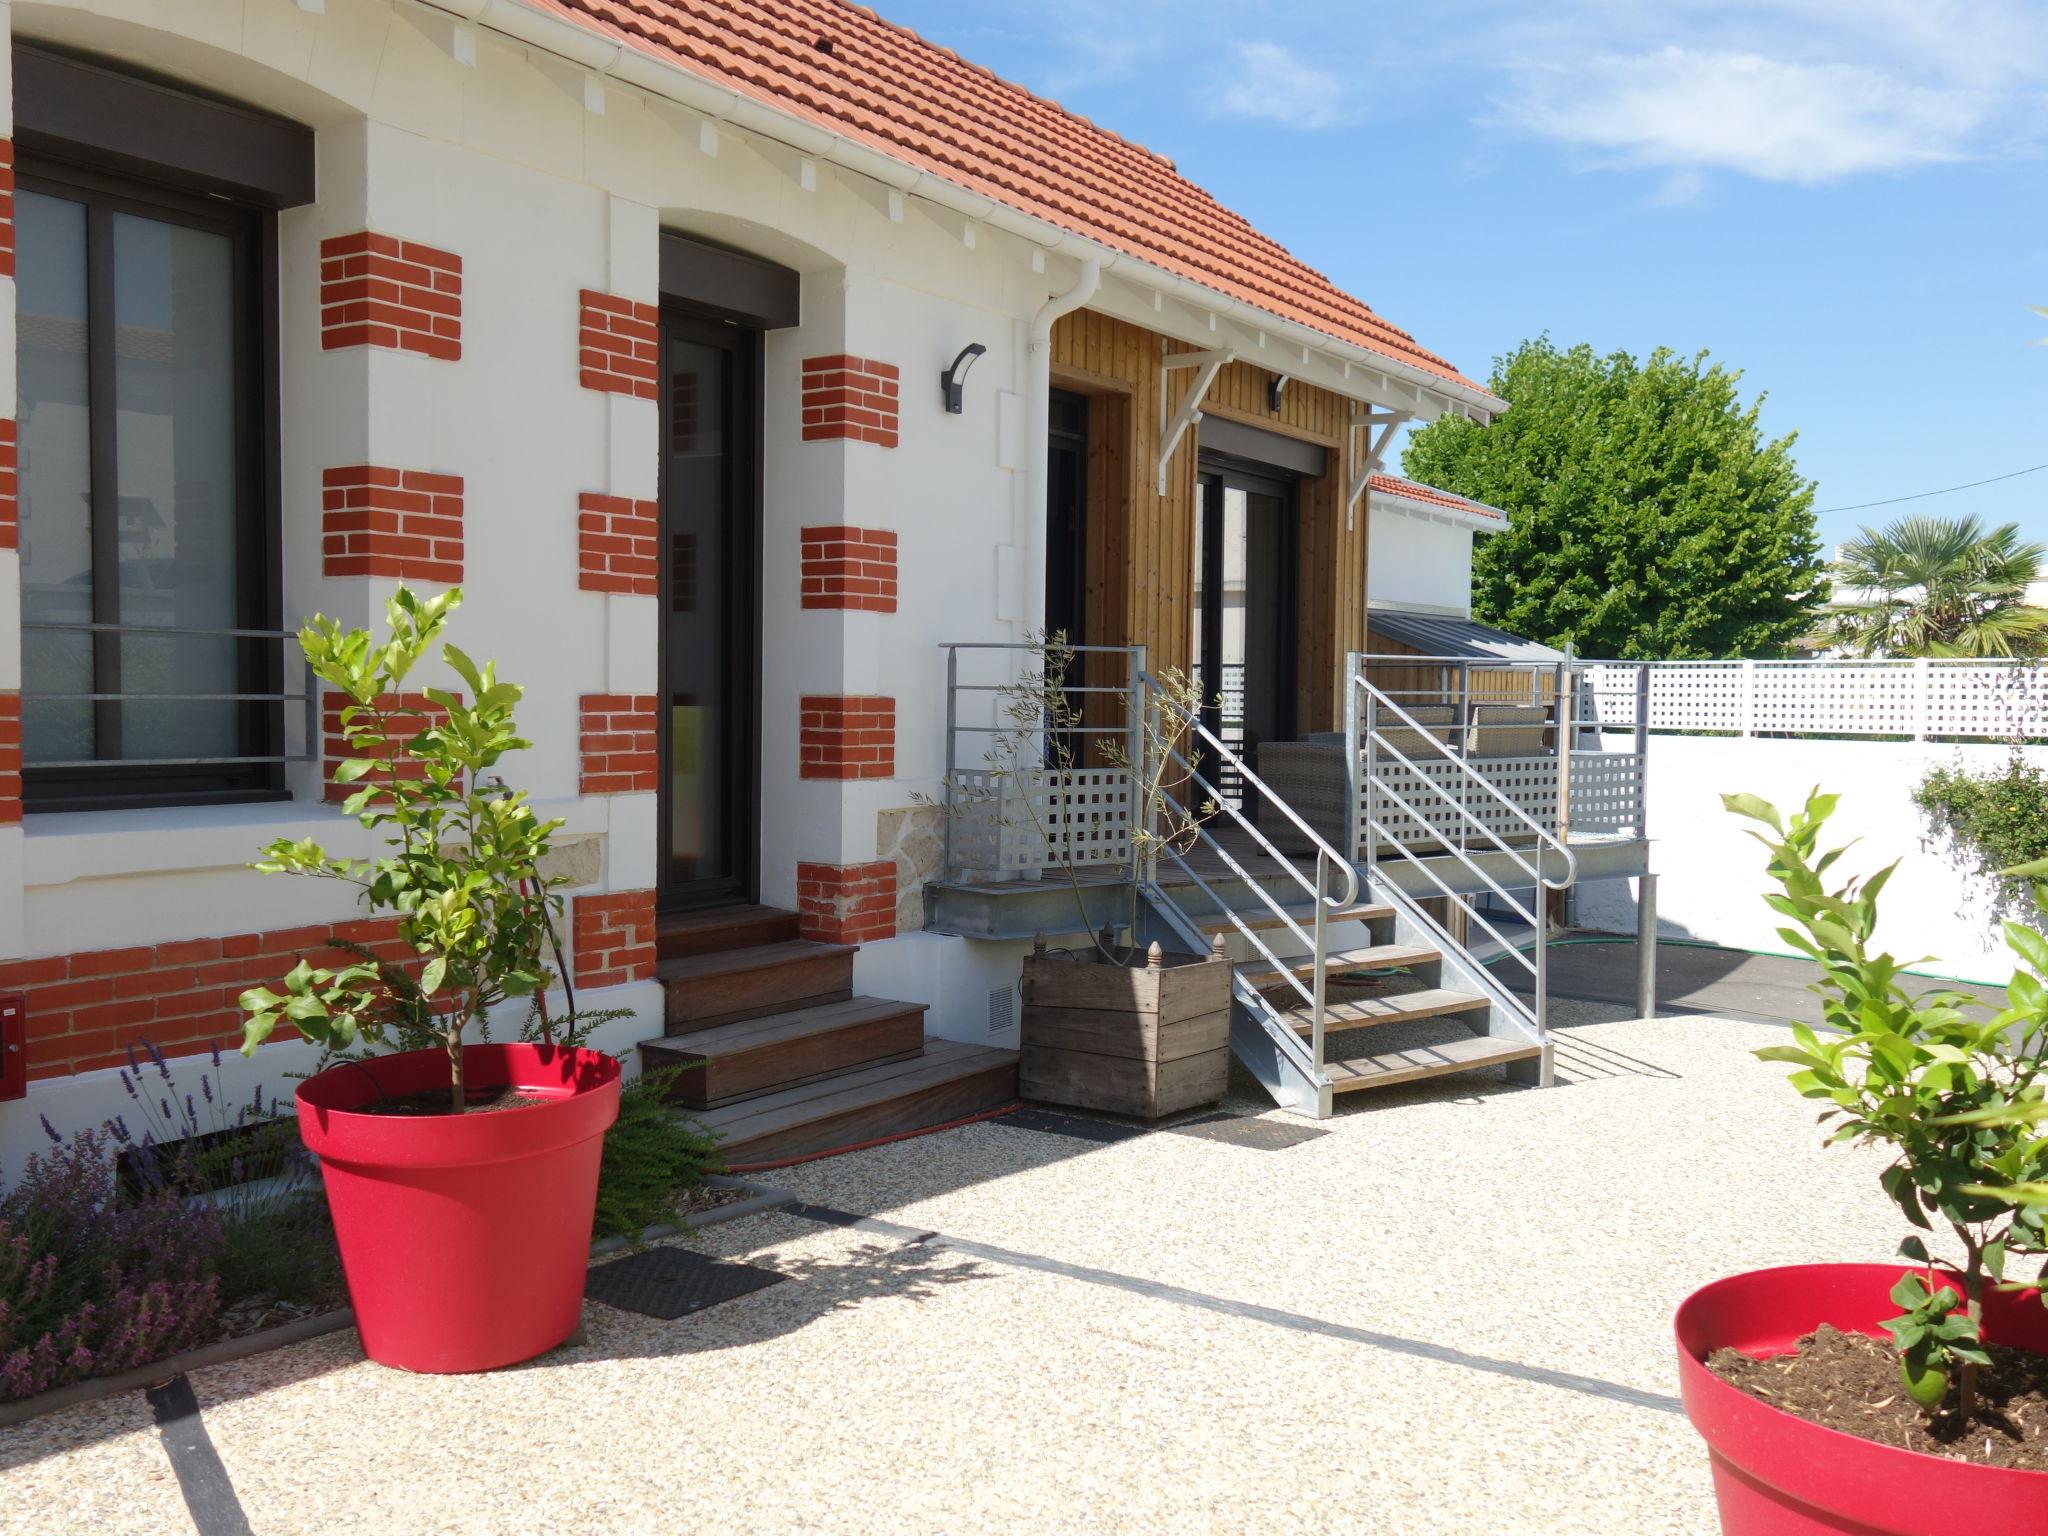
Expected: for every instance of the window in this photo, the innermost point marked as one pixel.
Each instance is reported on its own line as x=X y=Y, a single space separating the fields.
x=147 y=547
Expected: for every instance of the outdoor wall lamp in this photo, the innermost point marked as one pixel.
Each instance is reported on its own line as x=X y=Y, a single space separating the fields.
x=954 y=380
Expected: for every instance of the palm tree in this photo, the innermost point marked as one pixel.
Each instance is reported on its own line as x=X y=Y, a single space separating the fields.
x=1938 y=586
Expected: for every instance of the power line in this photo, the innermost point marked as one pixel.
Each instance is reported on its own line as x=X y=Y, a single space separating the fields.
x=1946 y=490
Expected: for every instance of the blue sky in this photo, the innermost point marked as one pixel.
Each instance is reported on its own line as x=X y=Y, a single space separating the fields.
x=1846 y=199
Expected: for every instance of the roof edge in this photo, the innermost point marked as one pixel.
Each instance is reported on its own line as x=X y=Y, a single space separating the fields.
x=544 y=25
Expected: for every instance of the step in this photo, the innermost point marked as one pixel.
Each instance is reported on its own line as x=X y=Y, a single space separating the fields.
x=1262 y=917
x=947 y=1082
x=1422 y=1061
x=1398 y=1008
x=1378 y=957
x=720 y=988
x=751 y=1057
x=709 y=930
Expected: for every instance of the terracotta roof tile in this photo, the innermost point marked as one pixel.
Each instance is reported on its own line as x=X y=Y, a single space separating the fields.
x=1415 y=490
x=925 y=106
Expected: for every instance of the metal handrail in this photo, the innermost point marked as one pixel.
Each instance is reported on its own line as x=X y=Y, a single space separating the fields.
x=1317 y=992
x=1543 y=834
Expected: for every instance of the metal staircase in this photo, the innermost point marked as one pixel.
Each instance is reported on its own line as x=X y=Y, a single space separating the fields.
x=1302 y=937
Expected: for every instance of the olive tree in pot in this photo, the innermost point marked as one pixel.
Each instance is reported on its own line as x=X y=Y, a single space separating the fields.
x=1109 y=1025
x=1873 y=1398
x=462 y=1178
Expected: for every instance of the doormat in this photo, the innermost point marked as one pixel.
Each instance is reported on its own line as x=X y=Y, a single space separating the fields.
x=1053 y=1123
x=1259 y=1134
x=673 y=1282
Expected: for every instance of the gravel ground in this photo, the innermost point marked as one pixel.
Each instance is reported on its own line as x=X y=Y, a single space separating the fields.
x=1459 y=1295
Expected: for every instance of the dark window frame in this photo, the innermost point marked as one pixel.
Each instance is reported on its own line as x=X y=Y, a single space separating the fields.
x=259 y=595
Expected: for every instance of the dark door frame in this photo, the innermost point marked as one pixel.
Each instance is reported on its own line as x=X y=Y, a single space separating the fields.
x=743 y=425
x=1215 y=471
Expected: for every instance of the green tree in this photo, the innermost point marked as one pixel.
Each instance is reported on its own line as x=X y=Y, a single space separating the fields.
x=1939 y=586
x=1648 y=518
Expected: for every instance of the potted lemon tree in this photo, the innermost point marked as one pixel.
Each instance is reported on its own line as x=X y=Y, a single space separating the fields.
x=1889 y=1398
x=462 y=1177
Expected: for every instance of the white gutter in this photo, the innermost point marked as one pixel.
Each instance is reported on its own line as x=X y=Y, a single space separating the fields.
x=1436 y=512
x=1030 y=518
x=566 y=39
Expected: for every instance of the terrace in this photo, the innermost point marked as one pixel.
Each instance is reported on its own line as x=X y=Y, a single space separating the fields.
x=991 y=1329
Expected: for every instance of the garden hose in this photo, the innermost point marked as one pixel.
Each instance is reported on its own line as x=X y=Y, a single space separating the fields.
x=1772 y=954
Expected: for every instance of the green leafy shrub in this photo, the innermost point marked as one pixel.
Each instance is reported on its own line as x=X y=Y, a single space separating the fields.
x=1954 y=1089
x=652 y=1156
x=1997 y=820
x=461 y=872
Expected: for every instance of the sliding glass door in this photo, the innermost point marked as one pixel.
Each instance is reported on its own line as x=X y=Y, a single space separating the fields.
x=1244 y=608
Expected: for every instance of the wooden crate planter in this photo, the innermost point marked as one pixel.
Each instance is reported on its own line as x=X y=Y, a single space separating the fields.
x=1134 y=1040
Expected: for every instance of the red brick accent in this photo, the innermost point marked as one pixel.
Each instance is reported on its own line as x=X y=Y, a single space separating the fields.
x=613 y=938
x=849 y=568
x=378 y=521
x=86 y=1009
x=849 y=397
x=617 y=345
x=380 y=291
x=618 y=739
x=6 y=208
x=10 y=487
x=847 y=738
x=334 y=747
x=618 y=544
x=846 y=903
x=10 y=758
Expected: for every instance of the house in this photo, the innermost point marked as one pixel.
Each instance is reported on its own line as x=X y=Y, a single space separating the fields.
x=736 y=361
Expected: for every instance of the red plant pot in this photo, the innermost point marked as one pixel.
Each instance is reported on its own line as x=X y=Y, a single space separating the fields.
x=1779 y=1475
x=464 y=1238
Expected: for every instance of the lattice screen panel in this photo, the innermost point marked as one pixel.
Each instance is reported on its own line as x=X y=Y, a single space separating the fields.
x=1035 y=820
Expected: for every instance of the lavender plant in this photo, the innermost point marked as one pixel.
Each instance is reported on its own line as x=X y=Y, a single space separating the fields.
x=243 y=1158
x=94 y=1278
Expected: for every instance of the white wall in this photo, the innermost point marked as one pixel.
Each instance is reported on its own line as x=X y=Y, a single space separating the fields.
x=505 y=162
x=1711 y=877
x=1418 y=562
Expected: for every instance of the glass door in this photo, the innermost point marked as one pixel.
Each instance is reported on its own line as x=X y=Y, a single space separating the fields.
x=1244 y=610
x=710 y=607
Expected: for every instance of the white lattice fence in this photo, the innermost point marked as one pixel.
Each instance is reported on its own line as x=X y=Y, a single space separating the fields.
x=1038 y=819
x=1964 y=700
x=1607 y=792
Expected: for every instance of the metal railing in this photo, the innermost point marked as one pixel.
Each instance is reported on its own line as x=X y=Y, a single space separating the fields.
x=1534 y=857
x=108 y=704
x=1035 y=800
x=1315 y=938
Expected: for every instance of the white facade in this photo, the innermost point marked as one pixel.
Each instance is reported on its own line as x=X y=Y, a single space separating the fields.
x=1422 y=553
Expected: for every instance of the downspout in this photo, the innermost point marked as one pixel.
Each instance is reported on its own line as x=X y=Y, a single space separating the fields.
x=1030 y=531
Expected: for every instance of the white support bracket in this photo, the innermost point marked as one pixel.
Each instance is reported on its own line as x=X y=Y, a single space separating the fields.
x=1207 y=366
x=1380 y=427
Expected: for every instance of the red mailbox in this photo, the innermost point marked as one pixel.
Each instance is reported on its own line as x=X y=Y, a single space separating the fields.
x=13 y=1045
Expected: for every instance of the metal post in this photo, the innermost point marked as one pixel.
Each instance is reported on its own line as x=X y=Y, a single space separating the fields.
x=1463 y=738
x=952 y=736
x=1354 y=804
x=1322 y=981
x=1646 y=947
x=1541 y=909
x=1561 y=709
x=1138 y=751
x=1642 y=816
x=312 y=713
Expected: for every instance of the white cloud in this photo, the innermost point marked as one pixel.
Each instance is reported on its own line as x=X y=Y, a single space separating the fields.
x=1272 y=83
x=1798 y=91
x=1682 y=109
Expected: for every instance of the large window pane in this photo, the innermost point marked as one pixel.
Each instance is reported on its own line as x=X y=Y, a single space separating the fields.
x=56 y=475
x=175 y=474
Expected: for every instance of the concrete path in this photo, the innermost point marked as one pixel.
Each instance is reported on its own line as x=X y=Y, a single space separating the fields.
x=1445 y=1311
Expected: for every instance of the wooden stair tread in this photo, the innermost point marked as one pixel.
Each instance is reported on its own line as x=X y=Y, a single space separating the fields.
x=708 y=930
x=949 y=1080
x=1263 y=919
x=780 y=1028
x=1373 y=958
x=754 y=957
x=1390 y=1067
x=1396 y=1008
